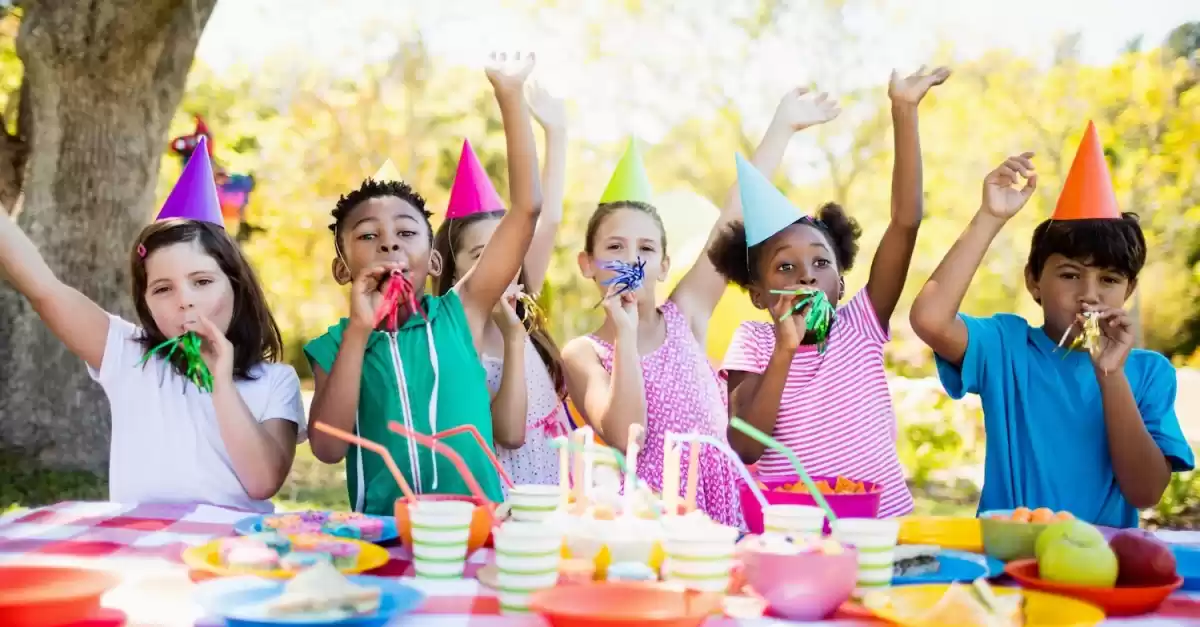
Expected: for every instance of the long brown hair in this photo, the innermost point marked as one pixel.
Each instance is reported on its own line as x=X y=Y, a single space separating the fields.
x=445 y=242
x=252 y=329
x=605 y=209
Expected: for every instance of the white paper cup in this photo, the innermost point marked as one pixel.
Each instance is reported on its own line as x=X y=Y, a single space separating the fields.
x=700 y=557
x=533 y=502
x=875 y=542
x=528 y=555
x=440 y=530
x=793 y=520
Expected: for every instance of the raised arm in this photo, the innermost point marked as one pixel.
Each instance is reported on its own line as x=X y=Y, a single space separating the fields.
x=934 y=314
x=609 y=402
x=552 y=115
x=501 y=259
x=701 y=288
x=73 y=318
x=889 y=269
x=511 y=403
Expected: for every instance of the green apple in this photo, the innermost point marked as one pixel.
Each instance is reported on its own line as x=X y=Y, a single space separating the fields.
x=1078 y=555
x=1058 y=529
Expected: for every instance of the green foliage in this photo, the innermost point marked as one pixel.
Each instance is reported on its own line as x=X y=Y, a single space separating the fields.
x=27 y=484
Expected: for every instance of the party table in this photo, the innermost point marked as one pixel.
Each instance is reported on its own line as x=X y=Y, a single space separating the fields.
x=142 y=544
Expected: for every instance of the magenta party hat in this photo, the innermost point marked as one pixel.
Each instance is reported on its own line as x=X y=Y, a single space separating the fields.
x=195 y=194
x=472 y=191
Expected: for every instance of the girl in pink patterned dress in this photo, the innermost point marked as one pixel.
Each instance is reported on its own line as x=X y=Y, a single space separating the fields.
x=647 y=365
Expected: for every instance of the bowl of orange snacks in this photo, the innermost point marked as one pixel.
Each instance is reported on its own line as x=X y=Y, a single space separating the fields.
x=846 y=497
x=1012 y=534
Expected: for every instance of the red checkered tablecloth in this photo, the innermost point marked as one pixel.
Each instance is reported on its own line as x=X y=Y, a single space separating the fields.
x=143 y=543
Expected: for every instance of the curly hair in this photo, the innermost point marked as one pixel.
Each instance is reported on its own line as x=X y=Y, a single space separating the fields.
x=370 y=188
x=1102 y=243
x=739 y=264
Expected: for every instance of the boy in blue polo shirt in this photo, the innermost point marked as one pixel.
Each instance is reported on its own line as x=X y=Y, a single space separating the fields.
x=1091 y=430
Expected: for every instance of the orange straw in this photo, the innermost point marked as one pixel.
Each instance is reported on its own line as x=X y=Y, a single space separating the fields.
x=441 y=435
x=378 y=449
x=455 y=458
x=693 y=475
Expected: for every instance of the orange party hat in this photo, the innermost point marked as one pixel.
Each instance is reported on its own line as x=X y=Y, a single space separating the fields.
x=1088 y=192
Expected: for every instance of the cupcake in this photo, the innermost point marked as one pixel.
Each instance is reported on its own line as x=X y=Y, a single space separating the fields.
x=343 y=530
x=314 y=517
x=343 y=554
x=272 y=540
x=297 y=561
x=368 y=528
x=308 y=541
x=228 y=545
x=252 y=557
x=289 y=520
x=631 y=571
x=344 y=516
x=273 y=522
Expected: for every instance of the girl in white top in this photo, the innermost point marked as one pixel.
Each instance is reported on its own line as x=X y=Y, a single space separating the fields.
x=524 y=370
x=171 y=441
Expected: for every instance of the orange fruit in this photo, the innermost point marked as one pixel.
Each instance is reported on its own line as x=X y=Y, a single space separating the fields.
x=1022 y=514
x=1041 y=515
x=1064 y=516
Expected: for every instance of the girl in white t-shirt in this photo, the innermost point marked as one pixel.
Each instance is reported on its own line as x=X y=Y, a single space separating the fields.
x=171 y=441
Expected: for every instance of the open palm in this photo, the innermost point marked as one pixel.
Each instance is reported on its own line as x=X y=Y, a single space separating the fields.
x=912 y=88
x=1001 y=196
x=508 y=71
x=800 y=109
x=550 y=111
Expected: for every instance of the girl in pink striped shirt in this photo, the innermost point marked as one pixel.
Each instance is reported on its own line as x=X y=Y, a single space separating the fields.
x=829 y=404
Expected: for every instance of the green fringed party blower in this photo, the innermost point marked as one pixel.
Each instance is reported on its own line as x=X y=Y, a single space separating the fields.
x=189 y=345
x=820 y=314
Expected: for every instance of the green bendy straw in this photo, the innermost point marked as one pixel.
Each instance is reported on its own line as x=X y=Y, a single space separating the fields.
x=576 y=447
x=766 y=440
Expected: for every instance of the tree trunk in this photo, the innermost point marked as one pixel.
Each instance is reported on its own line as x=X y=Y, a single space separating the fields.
x=102 y=81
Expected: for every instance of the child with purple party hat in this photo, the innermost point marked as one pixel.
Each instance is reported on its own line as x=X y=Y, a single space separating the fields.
x=201 y=410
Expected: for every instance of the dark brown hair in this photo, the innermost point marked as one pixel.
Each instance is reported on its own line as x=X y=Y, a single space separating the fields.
x=606 y=209
x=445 y=242
x=739 y=263
x=1118 y=244
x=252 y=329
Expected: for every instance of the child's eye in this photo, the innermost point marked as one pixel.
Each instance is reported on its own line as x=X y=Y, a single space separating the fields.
x=614 y=247
x=203 y=281
x=366 y=237
x=159 y=290
x=785 y=267
x=647 y=249
x=821 y=263
x=1111 y=280
x=408 y=233
x=1070 y=275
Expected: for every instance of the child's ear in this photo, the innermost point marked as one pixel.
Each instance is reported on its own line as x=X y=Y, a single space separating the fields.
x=841 y=288
x=341 y=273
x=664 y=269
x=1031 y=285
x=585 y=265
x=435 y=264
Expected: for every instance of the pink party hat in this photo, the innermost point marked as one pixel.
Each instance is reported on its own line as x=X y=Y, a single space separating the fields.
x=195 y=194
x=472 y=191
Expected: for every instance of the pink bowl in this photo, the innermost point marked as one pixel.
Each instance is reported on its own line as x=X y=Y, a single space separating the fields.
x=843 y=505
x=807 y=587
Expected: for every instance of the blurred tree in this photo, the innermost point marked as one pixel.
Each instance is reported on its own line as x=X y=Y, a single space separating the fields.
x=101 y=81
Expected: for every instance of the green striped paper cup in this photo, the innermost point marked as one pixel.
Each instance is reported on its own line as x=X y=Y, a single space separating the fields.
x=700 y=556
x=875 y=542
x=528 y=555
x=533 y=502
x=793 y=520
x=440 y=530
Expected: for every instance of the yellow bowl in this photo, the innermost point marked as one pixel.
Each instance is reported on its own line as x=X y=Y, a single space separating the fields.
x=206 y=558
x=958 y=534
x=1041 y=609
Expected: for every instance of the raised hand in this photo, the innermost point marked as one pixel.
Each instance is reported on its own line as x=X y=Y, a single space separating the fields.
x=800 y=109
x=215 y=348
x=365 y=294
x=912 y=88
x=622 y=309
x=550 y=111
x=789 y=331
x=1116 y=331
x=507 y=71
x=1001 y=196
x=504 y=314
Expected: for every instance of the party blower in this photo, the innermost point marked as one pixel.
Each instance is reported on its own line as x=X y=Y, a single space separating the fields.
x=483 y=517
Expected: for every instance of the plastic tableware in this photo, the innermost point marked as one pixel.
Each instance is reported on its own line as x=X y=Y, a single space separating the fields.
x=1007 y=540
x=947 y=532
x=875 y=541
x=612 y=604
x=898 y=605
x=1119 y=601
x=481 y=520
x=206 y=558
x=802 y=586
x=864 y=505
x=254 y=524
x=235 y=599
x=35 y=596
x=956 y=566
x=1187 y=564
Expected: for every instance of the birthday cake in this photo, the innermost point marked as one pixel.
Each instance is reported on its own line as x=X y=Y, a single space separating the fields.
x=350 y=525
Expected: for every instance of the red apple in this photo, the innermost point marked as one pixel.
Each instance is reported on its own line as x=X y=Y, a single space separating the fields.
x=1143 y=559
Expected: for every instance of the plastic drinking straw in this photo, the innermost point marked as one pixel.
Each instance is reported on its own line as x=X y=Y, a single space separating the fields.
x=437 y=445
x=564 y=470
x=441 y=435
x=670 y=491
x=580 y=476
x=377 y=449
x=632 y=447
x=622 y=463
x=724 y=448
x=693 y=476
x=750 y=430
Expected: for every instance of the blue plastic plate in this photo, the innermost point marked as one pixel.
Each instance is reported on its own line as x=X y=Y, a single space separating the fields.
x=235 y=599
x=954 y=566
x=1187 y=564
x=254 y=524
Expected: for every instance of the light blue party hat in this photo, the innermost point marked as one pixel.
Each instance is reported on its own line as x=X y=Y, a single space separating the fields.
x=765 y=210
